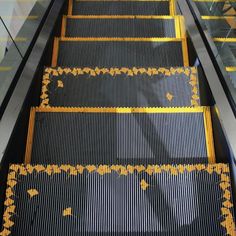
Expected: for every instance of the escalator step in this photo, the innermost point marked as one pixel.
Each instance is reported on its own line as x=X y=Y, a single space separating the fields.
x=120 y=8
x=120 y=87
x=120 y=135
x=210 y=8
x=119 y=200
x=221 y=28
x=131 y=26
x=79 y=52
x=227 y=51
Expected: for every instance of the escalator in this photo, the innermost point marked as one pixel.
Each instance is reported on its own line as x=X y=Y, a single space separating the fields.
x=122 y=142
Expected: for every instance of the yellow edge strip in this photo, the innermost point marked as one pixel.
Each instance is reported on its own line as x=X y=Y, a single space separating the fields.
x=122 y=109
x=63 y=26
x=122 y=39
x=209 y=135
x=230 y=40
x=172 y=7
x=185 y=52
x=217 y=17
x=120 y=17
x=55 y=52
x=30 y=136
x=230 y=69
x=70 y=7
x=177 y=27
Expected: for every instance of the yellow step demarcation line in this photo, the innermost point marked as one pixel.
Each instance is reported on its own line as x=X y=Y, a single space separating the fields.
x=171 y=2
x=106 y=39
x=176 y=19
x=204 y=110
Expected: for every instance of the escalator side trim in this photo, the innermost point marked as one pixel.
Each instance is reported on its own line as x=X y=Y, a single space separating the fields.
x=209 y=135
x=63 y=26
x=30 y=136
x=70 y=7
x=55 y=51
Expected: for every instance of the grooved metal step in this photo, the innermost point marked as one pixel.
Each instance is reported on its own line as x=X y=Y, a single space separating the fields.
x=119 y=200
x=129 y=26
x=120 y=52
x=120 y=8
x=120 y=135
x=120 y=87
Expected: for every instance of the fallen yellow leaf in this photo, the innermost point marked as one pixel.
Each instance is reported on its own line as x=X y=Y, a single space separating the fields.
x=169 y=96
x=32 y=192
x=144 y=185
x=60 y=84
x=67 y=211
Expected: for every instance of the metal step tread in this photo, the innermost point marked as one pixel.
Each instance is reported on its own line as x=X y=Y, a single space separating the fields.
x=120 y=135
x=120 y=52
x=119 y=200
x=120 y=27
x=120 y=87
x=120 y=7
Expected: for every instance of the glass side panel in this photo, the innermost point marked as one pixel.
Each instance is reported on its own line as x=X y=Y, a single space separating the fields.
x=19 y=21
x=215 y=7
x=218 y=21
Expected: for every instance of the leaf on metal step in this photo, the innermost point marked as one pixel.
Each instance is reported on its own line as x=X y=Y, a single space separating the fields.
x=9 y=192
x=224 y=185
x=32 y=192
x=8 y=224
x=11 y=183
x=169 y=96
x=140 y=168
x=228 y=204
x=91 y=168
x=60 y=84
x=67 y=212
x=8 y=202
x=227 y=194
x=144 y=185
x=5 y=232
